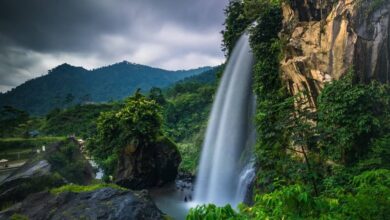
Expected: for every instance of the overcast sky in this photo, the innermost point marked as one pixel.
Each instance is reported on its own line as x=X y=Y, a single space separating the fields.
x=37 y=35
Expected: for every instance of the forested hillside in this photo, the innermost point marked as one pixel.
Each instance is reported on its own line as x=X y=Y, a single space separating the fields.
x=66 y=86
x=185 y=108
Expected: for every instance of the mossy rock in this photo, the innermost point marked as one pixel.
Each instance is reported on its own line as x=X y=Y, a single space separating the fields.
x=150 y=165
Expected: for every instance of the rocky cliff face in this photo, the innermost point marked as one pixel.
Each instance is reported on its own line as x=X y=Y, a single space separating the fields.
x=326 y=38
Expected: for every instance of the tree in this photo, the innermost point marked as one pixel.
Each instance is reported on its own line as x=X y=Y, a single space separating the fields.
x=157 y=95
x=235 y=25
x=10 y=120
x=139 y=121
x=350 y=116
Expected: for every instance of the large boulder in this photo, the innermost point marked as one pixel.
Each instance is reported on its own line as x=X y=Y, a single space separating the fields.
x=105 y=203
x=142 y=166
x=61 y=163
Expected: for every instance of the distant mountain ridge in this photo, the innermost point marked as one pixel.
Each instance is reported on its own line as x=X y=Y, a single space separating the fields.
x=67 y=85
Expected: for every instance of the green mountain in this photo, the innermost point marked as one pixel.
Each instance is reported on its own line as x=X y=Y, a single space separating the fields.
x=66 y=85
x=186 y=105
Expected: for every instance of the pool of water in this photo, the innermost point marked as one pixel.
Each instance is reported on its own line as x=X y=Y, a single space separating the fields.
x=173 y=199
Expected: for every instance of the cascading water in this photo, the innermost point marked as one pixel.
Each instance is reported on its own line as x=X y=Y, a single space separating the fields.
x=226 y=166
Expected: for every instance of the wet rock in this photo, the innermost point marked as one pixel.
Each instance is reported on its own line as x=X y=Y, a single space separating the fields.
x=105 y=203
x=185 y=177
x=185 y=184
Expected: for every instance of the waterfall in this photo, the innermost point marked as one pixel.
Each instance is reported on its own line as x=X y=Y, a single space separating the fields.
x=226 y=164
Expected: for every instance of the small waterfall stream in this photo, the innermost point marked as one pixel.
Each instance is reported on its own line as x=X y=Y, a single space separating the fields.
x=226 y=166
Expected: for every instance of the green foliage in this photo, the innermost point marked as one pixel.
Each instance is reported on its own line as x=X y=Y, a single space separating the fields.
x=369 y=198
x=254 y=8
x=186 y=113
x=141 y=117
x=351 y=116
x=156 y=94
x=188 y=110
x=190 y=154
x=67 y=160
x=241 y=14
x=79 y=189
x=79 y=120
x=14 y=122
x=139 y=121
x=379 y=155
x=274 y=107
x=290 y=202
x=212 y=212
x=235 y=24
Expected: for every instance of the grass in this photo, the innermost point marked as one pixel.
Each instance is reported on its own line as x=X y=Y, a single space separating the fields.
x=79 y=189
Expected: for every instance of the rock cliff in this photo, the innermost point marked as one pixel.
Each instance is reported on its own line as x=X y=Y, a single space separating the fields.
x=326 y=38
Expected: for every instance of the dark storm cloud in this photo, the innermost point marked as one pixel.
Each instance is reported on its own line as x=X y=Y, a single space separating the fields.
x=39 y=34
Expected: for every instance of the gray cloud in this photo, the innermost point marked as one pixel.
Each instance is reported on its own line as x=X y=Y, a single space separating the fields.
x=36 y=35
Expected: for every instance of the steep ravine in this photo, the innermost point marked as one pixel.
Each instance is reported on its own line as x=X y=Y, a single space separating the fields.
x=323 y=43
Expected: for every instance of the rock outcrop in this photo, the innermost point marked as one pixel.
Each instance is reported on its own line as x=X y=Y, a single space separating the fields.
x=327 y=38
x=62 y=163
x=142 y=166
x=105 y=203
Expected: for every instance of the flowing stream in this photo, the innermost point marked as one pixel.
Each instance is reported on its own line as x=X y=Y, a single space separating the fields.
x=226 y=167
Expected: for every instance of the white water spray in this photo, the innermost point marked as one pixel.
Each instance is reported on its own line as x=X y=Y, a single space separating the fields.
x=225 y=167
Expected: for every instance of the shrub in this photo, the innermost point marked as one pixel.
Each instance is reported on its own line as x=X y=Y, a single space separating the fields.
x=368 y=198
x=213 y=212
